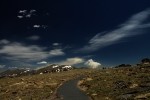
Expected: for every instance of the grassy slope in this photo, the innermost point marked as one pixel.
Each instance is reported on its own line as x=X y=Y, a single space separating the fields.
x=118 y=84
x=108 y=84
x=35 y=87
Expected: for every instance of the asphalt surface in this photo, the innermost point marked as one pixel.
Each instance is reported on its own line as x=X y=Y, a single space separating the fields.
x=70 y=91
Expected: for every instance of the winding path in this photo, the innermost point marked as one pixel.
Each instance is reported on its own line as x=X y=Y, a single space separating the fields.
x=70 y=91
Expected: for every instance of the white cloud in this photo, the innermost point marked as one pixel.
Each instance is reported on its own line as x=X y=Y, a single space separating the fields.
x=22 y=11
x=56 y=52
x=2 y=66
x=42 y=62
x=92 y=64
x=26 y=13
x=129 y=28
x=20 y=52
x=20 y=17
x=34 y=38
x=55 y=44
x=4 y=41
x=72 y=61
x=40 y=26
x=32 y=11
x=36 y=26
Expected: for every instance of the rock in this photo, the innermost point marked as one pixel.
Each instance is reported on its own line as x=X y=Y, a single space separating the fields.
x=94 y=94
x=133 y=86
x=107 y=98
x=51 y=92
x=89 y=79
x=80 y=82
x=142 y=96
x=51 y=84
x=125 y=97
x=107 y=72
x=145 y=85
x=7 y=91
x=22 y=79
x=120 y=85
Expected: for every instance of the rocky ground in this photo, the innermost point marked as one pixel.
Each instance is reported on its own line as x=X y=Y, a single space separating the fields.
x=131 y=83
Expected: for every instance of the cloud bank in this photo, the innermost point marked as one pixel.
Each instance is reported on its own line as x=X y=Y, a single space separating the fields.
x=56 y=44
x=72 y=61
x=56 y=52
x=40 y=26
x=129 y=28
x=92 y=64
x=4 y=41
x=26 y=13
x=42 y=62
x=16 y=51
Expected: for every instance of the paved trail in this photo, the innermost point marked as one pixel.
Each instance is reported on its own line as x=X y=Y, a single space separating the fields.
x=70 y=91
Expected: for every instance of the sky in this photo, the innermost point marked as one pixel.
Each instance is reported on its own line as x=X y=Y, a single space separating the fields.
x=73 y=32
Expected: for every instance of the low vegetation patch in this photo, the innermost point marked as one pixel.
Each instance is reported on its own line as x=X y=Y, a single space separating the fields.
x=35 y=87
x=128 y=83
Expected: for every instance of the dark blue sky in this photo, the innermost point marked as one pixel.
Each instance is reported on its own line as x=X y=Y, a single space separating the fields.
x=74 y=31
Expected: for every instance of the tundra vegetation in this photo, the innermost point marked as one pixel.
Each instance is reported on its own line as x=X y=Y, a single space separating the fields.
x=36 y=87
x=123 y=82
x=119 y=83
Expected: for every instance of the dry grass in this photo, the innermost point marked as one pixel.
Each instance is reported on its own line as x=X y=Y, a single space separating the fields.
x=35 y=87
x=109 y=84
x=118 y=84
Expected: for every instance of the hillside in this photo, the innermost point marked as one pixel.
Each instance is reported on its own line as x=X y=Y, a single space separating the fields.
x=126 y=83
x=42 y=70
x=36 y=87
